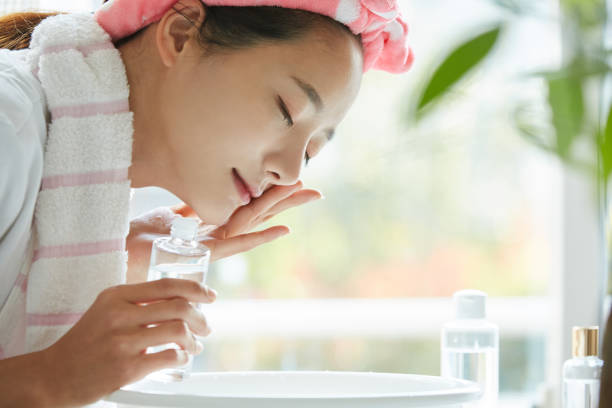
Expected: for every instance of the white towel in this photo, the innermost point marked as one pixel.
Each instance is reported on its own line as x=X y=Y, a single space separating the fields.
x=81 y=217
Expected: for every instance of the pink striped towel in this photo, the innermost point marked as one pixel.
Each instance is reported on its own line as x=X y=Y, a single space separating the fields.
x=81 y=217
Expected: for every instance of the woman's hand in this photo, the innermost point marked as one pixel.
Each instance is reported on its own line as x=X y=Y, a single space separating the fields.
x=234 y=236
x=226 y=240
x=106 y=348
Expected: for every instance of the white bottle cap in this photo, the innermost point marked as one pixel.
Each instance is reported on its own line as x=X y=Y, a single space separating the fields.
x=184 y=228
x=470 y=304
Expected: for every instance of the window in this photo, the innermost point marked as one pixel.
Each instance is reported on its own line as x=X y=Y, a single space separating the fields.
x=412 y=214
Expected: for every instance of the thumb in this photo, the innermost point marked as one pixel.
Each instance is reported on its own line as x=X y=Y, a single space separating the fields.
x=184 y=210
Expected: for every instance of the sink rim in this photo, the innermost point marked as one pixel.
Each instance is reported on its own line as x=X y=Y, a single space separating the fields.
x=456 y=391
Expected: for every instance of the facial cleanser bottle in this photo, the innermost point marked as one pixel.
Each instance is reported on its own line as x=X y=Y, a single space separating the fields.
x=470 y=346
x=178 y=256
x=582 y=373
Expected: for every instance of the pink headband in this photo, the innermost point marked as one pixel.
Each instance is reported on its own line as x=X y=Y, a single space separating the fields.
x=382 y=28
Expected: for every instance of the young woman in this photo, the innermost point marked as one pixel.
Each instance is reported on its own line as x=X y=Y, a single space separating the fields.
x=220 y=102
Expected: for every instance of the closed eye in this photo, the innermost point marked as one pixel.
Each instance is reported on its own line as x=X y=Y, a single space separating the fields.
x=285 y=111
x=287 y=116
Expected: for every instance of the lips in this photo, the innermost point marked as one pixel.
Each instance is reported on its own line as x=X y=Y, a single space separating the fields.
x=242 y=187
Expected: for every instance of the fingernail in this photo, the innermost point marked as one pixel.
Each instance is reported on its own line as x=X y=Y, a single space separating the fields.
x=199 y=347
x=212 y=293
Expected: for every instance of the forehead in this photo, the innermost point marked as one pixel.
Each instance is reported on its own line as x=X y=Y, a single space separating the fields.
x=330 y=60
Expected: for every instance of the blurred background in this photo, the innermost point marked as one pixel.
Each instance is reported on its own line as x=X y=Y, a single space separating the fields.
x=415 y=212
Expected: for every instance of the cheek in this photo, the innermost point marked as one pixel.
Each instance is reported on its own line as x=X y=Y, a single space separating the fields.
x=242 y=130
x=206 y=143
x=213 y=126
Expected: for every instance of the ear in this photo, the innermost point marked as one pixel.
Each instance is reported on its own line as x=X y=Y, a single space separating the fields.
x=179 y=25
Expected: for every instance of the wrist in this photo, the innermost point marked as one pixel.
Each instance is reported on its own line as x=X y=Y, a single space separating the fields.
x=24 y=382
x=49 y=384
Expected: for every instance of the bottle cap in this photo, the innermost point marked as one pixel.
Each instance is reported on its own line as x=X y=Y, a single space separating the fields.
x=184 y=228
x=585 y=341
x=470 y=304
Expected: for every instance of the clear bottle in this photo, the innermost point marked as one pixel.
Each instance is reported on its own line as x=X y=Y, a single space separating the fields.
x=178 y=256
x=582 y=373
x=470 y=346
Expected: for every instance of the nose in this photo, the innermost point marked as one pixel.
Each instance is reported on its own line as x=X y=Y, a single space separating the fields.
x=285 y=164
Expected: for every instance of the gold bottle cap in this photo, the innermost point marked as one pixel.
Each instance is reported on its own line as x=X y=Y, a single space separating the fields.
x=585 y=341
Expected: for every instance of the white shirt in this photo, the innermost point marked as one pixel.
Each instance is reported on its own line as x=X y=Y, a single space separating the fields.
x=23 y=132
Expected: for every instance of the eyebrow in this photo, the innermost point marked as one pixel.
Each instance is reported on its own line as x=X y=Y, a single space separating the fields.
x=312 y=93
x=315 y=99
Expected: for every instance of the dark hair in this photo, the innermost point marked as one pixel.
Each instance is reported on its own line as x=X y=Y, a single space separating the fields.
x=225 y=27
x=240 y=27
x=16 y=28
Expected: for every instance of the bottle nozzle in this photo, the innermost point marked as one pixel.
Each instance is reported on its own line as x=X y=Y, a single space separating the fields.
x=585 y=341
x=184 y=228
x=470 y=304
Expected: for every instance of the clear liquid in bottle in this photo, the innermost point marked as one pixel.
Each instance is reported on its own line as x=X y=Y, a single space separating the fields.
x=473 y=365
x=178 y=256
x=470 y=347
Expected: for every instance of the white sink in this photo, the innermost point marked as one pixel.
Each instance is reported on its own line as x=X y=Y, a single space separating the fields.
x=298 y=389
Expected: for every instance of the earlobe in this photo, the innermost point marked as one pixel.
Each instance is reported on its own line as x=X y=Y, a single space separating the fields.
x=177 y=27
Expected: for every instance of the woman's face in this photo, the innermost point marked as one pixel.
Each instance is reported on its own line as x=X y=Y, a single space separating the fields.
x=252 y=114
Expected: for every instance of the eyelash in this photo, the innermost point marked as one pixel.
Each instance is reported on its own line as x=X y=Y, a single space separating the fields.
x=289 y=120
x=285 y=111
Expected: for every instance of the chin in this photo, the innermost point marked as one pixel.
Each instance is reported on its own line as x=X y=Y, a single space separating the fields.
x=215 y=212
x=221 y=215
x=218 y=219
x=224 y=218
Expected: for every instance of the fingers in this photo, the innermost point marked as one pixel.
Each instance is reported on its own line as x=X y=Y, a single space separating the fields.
x=241 y=220
x=245 y=242
x=167 y=358
x=297 y=199
x=165 y=288
x=175 y=331
x=273 y=196
x=174 y=309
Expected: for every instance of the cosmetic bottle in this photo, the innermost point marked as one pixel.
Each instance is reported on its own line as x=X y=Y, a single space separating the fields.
x=181 y=256
x=470 y=346
x=582 y=372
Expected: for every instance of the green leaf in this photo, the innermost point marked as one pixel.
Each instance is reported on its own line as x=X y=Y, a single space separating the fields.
x=566 y=102
x=456 y=65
